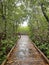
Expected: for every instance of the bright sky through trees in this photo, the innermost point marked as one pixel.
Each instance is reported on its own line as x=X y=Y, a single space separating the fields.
x=24 y=24
x=18 y=4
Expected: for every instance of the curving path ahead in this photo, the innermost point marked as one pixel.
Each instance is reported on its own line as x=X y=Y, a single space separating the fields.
x=25 y=53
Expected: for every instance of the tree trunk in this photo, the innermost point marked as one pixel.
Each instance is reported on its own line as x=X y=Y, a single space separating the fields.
x=44 y=13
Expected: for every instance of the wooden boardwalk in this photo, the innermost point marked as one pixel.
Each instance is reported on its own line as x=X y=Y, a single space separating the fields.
x=25 y=53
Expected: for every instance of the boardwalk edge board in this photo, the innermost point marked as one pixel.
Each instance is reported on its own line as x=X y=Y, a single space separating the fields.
x=46 y=59
x=3 y=63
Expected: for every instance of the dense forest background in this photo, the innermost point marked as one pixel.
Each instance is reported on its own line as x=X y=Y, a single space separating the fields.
x=15 y=12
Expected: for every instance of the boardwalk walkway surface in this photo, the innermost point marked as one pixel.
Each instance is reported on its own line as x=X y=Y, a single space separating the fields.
x=25 y=53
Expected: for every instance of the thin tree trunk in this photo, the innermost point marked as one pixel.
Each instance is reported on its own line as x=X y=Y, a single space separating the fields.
x=46 y=19
x=3 y=12
x=44 y=13
x=5 y=20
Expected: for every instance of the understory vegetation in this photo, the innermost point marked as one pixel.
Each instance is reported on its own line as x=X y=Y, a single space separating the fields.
x=15 y=12
x=23 y=30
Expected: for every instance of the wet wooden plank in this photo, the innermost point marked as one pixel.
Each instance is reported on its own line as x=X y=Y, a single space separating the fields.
x=25 y=53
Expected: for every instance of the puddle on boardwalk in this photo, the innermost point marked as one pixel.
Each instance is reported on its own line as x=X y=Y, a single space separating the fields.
x=23 y=51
